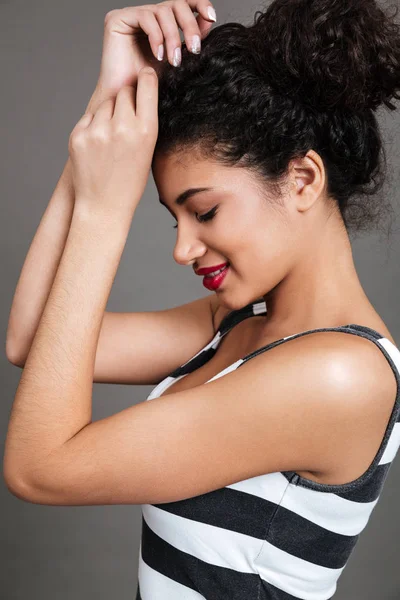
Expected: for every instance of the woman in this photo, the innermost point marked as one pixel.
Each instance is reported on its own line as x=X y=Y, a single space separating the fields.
x=276 y=417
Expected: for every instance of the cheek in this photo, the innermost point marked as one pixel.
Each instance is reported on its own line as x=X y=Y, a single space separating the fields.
x=263 y=242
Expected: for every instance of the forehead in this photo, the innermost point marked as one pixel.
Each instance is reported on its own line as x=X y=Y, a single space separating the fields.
x=175 y=173
x=180 y=164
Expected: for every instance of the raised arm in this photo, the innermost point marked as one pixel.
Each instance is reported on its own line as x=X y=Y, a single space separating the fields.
x=125 y=51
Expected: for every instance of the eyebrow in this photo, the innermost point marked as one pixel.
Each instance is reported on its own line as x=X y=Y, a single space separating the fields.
x=182 y=198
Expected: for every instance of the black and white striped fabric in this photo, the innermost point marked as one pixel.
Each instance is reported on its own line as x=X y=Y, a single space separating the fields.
x=278 y=536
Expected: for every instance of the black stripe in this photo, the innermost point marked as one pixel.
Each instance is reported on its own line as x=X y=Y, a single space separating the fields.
x=236 y=316
x=237 y=511
x=228 y=323
x=372 y=487
x=368 y=490
x=226 y=508
x=240 y=512
x=195 y=363
x=213 y=582
x=270 y=592
x=168 y=560
x=308 y=541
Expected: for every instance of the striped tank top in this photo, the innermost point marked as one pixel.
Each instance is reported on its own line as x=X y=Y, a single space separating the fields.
x=278 y=536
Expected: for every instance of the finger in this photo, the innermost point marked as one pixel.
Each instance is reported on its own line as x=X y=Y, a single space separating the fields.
x=146 y=20
x=192 y=26
x=105 y=111
x=187 y=22
x=147 y=97
x=204 y=18
x=125 y=103
x=204 y=26
x=166 y=19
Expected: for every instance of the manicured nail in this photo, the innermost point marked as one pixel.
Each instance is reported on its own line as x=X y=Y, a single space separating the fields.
x=160 y=54
x=211 y=13
x=177 y=57
x=196 y=44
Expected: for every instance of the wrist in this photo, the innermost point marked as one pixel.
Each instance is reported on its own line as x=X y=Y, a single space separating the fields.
x=101 y=218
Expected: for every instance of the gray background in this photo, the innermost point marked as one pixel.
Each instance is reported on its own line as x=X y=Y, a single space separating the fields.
x=50 y=59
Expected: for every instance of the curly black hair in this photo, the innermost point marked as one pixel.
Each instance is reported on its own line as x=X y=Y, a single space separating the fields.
x=307 y=74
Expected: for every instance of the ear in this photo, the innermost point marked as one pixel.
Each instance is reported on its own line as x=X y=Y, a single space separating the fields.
x=309 y=177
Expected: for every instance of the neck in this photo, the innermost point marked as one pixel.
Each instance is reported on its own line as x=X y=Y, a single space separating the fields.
x=322 y=289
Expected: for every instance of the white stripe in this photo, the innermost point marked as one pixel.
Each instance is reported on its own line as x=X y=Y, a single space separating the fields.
x=214 y=545
x=240 y=552
x=168 y=381
x=259 y=308
x=296 y=576
x=162 y=386
x=392 y=446
x=328 y=510
x=155 y=586
x=394 y=440
x=392 y=350
x=227 y=370
x=269 y=487
x=213 y=344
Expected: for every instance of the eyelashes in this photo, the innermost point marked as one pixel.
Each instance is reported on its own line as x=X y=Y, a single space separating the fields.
x=204 y=218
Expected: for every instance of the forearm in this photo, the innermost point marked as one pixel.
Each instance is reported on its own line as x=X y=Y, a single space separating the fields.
x=42 y=261
x=54 y=397
x=39 y=269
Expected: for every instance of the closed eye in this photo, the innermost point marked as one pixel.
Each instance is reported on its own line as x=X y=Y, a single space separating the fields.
x=204 y=218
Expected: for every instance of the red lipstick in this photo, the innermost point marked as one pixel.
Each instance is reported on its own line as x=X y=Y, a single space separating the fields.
x=212 y=283
x=208 y=270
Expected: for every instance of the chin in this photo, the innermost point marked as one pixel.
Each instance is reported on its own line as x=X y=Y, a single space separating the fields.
x=235 y=303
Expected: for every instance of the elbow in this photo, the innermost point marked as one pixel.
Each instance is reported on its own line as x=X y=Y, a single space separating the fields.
x=13 y=356
x=15 y=486
x=22 y=491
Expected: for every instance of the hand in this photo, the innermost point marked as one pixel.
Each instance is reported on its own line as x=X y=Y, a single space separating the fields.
x=111 y=151
x=133 y=34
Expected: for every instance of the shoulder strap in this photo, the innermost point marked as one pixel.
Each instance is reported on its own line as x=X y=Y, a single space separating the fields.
x=365 y=489
x=233 y=318
x=390 y=351
x=227 y=323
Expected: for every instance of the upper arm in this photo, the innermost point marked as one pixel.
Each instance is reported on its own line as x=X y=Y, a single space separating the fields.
x=145 y=347
x=295 y=407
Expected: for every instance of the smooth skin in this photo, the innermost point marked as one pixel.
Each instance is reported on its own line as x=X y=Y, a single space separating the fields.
x=295 y=407
x=171 y=336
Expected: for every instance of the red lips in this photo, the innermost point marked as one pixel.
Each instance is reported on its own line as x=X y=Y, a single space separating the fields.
x=208 y=270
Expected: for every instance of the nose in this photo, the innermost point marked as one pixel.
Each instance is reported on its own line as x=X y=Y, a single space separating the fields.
x=188 y=248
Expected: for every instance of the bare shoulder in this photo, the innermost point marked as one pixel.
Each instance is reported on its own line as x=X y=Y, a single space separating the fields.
x=352 y=361
x=360 y=389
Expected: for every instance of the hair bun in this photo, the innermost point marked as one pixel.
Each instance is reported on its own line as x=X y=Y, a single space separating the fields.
x=329 y=53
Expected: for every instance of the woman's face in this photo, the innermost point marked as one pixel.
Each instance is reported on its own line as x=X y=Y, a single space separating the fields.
x=258 y=237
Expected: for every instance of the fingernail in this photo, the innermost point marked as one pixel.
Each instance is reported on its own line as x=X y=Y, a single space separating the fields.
x=177 y=57
x=196 y=44
x=211 y=13
x=160 y=54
